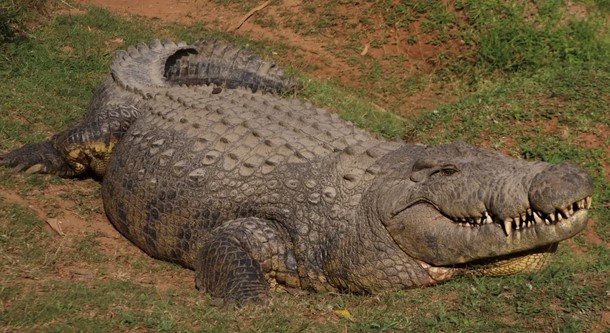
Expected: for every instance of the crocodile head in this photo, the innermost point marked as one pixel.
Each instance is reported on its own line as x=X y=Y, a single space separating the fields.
x=457 y=207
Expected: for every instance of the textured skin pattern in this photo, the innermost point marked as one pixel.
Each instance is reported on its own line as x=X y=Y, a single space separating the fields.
x=214 y=63
x=253 y=247
x=206 y=166
x=253 y=155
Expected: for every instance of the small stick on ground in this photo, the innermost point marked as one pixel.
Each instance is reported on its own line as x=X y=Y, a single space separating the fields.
x=365 y=50
x=397 y=37
x=67 y=4
x=247 y=16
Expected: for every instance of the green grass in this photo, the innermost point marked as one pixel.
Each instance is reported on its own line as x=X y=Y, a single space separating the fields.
x=510 y=43
x=517 y=77
x=13 y=15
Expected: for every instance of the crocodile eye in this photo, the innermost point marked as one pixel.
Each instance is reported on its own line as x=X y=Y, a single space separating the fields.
x=449 y=171
x=446 y=170
x=426 y=169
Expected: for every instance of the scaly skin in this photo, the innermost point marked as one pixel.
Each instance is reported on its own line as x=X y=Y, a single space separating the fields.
x=254 y=191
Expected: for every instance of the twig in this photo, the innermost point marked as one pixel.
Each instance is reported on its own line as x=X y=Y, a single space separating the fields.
x=397 y=38
x=67 y=4
x=379 y=108
x=250 y=13
x=365 y=50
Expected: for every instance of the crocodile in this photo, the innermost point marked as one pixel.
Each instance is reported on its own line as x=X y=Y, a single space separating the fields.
x=207 y=161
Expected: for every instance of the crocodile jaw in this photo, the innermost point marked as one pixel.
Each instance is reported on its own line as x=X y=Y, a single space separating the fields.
x=429 y=236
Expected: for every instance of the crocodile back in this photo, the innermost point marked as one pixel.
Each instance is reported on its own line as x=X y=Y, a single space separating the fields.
x=199 y=156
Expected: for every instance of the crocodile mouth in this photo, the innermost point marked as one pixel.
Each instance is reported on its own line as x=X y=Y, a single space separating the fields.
x=526 y=219
x=424 y=232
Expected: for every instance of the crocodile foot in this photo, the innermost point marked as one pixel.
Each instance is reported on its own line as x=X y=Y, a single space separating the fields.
x=37 y=158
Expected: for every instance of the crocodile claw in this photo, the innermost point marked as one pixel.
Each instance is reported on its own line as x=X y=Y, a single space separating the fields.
x=37 y=158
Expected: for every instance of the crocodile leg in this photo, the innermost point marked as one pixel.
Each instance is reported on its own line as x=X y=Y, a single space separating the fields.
x=240 y=260
x=85 y=147
x=227 y=270
x=67 y=154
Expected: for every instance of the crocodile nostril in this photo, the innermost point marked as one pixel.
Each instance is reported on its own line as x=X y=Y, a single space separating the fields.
x=559 y=186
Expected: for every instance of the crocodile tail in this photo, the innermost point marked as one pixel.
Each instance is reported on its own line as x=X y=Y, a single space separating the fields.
x=140 y=69
x=220 y=63
x=143 y=68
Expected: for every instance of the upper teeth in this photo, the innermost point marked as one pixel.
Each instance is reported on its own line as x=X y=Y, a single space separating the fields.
x=528 y=217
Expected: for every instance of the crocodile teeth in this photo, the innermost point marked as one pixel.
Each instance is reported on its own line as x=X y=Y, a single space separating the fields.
x=508 y=227
x=537 y=218
x=486 y=219
x=482 y=220
x=518 y=222
x=526 y=219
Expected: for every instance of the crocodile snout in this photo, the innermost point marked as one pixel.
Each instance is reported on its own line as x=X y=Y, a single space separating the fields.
x=559 y=186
